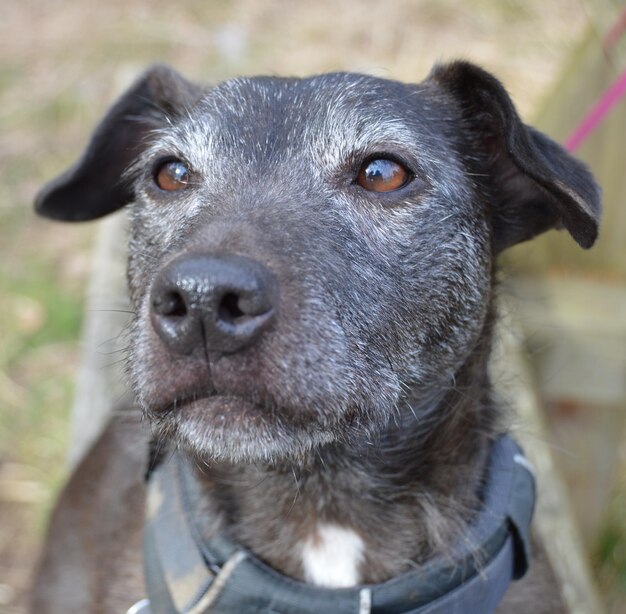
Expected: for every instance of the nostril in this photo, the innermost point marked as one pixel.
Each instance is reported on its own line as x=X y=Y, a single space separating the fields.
x=170 y=304
x=219 y=303
x=228 y=309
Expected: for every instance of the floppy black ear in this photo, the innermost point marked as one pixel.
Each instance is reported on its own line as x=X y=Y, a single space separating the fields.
x=93 y=187
x=536 y=185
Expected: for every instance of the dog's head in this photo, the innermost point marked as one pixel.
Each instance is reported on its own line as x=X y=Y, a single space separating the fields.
x=307 y=254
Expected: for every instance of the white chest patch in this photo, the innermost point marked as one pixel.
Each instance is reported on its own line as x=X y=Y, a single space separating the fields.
x=332 y=556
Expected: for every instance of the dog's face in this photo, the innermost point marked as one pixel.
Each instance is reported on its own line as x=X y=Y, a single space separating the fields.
x=377 y=291
x=308 y=257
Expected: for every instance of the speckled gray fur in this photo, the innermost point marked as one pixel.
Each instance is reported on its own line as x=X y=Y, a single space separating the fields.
x=367 y=404
x=367 y=305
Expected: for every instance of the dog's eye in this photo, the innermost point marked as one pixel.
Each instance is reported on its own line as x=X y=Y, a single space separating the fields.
x=172 y=175
x=383 y=175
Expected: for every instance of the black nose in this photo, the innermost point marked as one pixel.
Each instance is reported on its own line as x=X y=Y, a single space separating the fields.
x=220 y=302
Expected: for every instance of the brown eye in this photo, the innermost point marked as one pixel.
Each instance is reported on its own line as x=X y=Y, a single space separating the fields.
x=383 y=175
x=172 y=175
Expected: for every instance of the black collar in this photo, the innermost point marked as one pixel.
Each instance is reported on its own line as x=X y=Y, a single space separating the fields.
x=186 y=574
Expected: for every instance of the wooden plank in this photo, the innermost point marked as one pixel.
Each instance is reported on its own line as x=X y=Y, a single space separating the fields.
x=101 y=382
x=554 y=522
x=575 y=330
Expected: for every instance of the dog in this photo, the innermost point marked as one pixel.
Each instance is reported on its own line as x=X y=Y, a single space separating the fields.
x=312 y=273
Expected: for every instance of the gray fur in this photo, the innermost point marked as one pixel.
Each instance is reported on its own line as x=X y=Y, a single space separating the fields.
x=265 y=180
x=367 y=404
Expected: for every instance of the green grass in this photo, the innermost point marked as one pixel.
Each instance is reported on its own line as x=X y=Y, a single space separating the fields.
x=609 y=556
x=37 y=359
x=48 y=313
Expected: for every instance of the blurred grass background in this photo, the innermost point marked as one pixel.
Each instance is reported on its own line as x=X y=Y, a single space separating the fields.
x=63 y=62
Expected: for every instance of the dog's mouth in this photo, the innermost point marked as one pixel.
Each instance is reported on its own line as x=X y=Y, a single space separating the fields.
x=227 y=427
x=214 y=406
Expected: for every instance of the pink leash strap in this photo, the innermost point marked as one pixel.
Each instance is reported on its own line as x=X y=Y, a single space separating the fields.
x=595 y=116
x=610 y=98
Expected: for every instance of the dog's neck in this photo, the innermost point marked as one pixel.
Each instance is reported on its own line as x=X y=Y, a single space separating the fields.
x=363 y=514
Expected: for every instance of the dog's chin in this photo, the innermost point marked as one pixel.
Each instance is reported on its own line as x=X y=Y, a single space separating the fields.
x=236 y=430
